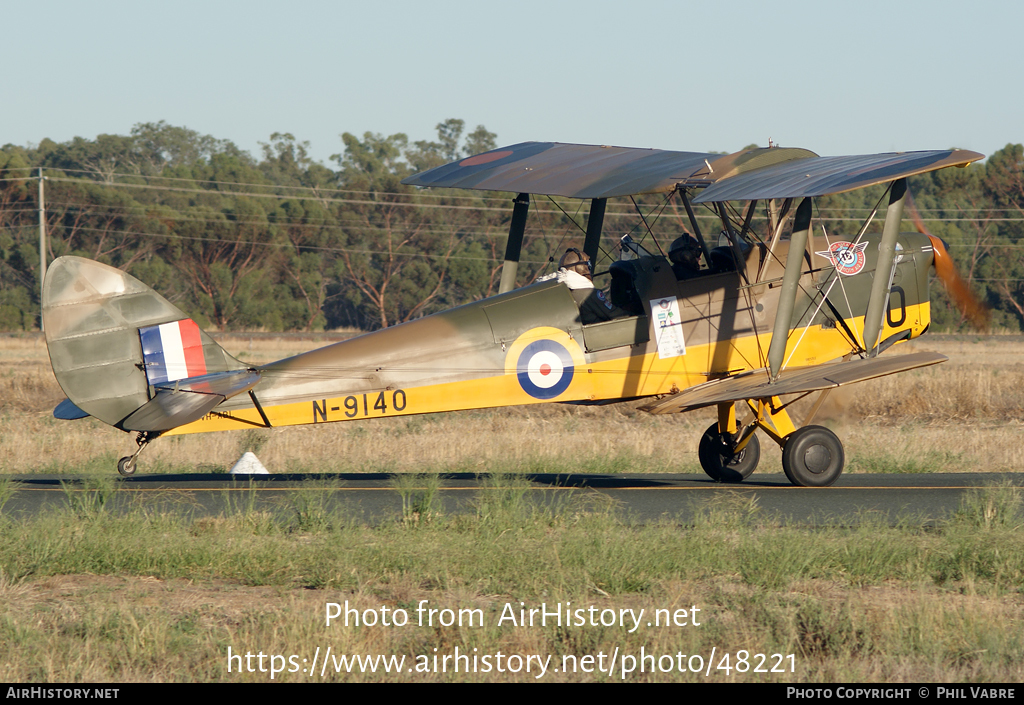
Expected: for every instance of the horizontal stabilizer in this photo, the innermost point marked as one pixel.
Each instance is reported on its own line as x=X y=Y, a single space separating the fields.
x=187 y=400
x=67 y=411
x=225 y=384
x=755 y=385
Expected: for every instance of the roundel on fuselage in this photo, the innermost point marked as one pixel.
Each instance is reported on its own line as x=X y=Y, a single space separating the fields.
x=545 y=369
x=544 y=362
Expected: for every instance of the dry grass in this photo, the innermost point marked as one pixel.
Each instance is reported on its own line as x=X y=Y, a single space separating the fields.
x=983 y=380
x=102 y=628
x=962 y=416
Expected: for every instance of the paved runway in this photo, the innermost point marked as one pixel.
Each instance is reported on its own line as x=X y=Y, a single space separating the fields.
x=374 y=498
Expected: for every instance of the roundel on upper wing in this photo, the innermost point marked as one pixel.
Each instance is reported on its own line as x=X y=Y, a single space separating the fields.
x=485 y=158
x=545 y=369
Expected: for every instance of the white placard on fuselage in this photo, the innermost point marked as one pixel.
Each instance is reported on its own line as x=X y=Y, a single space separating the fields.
x=668 y=327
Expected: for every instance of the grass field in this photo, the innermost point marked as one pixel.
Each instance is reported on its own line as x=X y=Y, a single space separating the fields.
x=147 y=596
x=87 y=596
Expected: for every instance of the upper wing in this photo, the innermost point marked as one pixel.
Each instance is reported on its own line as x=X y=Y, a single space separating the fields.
x=574 y=170
x=593 y=171
x=818 y=176
x=754 y=385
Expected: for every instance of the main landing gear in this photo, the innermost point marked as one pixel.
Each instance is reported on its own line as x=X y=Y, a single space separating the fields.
x=812 y=456
x=722 y=457
x=126 y=465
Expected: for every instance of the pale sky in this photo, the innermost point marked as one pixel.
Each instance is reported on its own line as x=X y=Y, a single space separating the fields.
x=836 y=78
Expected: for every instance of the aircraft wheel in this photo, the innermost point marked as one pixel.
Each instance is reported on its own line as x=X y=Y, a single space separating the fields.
x=813 y=457
x=720 y=463
x=126 y=466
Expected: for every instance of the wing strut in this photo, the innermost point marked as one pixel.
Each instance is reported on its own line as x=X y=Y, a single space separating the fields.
x=696 y=228
x=883 y=270
x=777 y=220
x=734 y=239
x=790 y=283
x=595 y=223
x=515 y=243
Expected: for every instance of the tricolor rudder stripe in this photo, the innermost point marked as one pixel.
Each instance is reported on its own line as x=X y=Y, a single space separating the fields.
x=172 y=351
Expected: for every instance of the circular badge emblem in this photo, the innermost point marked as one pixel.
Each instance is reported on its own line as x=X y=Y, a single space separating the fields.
x=848 y=258
x=544 y=369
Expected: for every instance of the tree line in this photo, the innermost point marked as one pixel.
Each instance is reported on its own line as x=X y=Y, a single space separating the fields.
x=282 y=242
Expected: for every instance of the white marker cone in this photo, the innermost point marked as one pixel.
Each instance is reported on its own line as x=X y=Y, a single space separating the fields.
x=249 y=464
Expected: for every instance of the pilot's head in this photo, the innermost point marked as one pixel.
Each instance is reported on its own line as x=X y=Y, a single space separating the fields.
x=576 y=261
x=685 y=250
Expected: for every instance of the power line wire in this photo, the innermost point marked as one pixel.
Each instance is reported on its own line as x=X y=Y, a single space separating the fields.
x=175 y=236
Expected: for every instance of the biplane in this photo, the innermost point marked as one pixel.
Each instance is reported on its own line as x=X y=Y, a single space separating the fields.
x=765 y=319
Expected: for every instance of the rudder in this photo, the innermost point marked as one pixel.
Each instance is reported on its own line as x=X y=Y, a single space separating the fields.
x=110 y=338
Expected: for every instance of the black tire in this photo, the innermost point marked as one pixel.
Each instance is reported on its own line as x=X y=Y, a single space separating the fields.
x=126 y=466
x=722 y=465
x=813 y=456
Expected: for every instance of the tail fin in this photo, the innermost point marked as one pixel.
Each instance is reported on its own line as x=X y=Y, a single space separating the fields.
x=112 y=340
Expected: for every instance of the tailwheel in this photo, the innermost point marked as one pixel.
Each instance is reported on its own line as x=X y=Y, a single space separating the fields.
x=721 y=461
x=126 y=466
x=813 y=456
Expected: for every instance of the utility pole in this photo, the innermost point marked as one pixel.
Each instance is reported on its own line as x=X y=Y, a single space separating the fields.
x=42 y=246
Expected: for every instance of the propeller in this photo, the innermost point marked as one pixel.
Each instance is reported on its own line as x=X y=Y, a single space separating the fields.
x=966 y=301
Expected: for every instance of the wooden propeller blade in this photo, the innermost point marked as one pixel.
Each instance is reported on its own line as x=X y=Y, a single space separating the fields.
x=959 y=292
